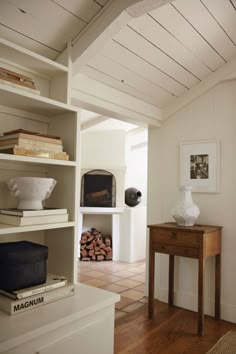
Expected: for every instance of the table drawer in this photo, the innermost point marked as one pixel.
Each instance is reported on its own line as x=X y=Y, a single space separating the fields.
x=173 y=237
x=177 y=250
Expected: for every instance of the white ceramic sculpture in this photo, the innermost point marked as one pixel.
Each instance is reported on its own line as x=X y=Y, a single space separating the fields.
x=186 y=211
x=31 y=191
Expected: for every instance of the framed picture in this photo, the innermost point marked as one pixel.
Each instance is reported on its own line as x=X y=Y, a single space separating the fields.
x=200 y=165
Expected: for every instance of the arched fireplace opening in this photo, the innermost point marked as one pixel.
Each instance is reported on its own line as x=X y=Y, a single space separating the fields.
x=98 y=189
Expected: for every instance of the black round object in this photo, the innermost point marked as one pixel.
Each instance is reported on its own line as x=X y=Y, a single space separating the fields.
x=132 y=196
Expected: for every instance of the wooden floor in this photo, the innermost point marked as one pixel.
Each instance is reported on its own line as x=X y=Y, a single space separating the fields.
x=173 y=331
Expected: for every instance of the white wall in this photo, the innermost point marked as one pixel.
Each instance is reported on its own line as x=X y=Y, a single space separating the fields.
x=134 y=219
x=211 y=116
x=136 y=162
x=105 y=150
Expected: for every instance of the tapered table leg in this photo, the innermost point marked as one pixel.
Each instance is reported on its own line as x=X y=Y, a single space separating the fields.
x=171 y=279
x=151 y=285
x=201 y=272
x=217 y=285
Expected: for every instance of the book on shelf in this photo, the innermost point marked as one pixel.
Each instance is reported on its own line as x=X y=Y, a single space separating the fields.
x=26 y=213
x=14 y=75
x=53 y=281
x=19 y=86
x=14 y=307
x=34 y=153
x=17 y=78
x=32 y=144
x=30 y=132
x=42 y=149
x=32 y=220
x=25 y=83
x=26 y=134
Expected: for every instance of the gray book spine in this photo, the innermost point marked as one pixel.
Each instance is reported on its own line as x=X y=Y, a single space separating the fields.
x=14 y=307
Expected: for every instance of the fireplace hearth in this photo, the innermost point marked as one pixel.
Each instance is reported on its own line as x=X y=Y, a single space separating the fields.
x=98 y=189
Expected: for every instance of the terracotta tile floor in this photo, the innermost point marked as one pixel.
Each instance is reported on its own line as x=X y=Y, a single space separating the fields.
x=126 y=279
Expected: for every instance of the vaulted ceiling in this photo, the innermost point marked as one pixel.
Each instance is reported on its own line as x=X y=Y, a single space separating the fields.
x=143 y=64
x=164 y=53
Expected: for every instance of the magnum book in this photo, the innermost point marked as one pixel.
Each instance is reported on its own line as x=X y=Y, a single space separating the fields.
x=13 y=307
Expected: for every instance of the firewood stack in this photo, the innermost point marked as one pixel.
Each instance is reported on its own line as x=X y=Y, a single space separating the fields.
x=95 y=247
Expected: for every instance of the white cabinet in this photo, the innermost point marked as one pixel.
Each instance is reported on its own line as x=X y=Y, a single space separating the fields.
x=81 y=324
x=64 y=324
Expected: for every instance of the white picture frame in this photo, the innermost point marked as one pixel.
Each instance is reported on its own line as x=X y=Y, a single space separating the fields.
x=200 y=165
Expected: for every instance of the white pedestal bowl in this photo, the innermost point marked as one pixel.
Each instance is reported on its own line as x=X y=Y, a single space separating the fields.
x=31 y=191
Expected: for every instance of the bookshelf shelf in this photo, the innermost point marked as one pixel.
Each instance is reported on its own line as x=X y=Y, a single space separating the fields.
x=31 y=60
x=50 y=329
x=9 y=229
x=30 y=102
x=35 y=160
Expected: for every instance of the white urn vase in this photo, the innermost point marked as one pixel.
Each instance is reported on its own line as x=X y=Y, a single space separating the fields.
x=31 y=191
x=186 y=211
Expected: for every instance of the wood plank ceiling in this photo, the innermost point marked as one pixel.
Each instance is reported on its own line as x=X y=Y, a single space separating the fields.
x=46 y=26
x=162 y=54
x=156 y=57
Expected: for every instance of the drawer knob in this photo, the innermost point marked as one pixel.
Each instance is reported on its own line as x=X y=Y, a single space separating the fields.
x=173 y=235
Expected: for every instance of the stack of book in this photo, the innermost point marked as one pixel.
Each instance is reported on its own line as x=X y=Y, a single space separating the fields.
x=17 y=80
x=55 y=288
x=28 y=143
x=18 y=217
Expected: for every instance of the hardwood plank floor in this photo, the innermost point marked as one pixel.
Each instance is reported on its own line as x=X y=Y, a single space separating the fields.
x=173 y=331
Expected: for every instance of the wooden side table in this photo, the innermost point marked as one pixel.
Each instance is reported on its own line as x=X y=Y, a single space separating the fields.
x=199 y=242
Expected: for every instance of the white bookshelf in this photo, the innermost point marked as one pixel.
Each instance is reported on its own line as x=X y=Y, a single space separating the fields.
x=67 y=324
x=22 y=109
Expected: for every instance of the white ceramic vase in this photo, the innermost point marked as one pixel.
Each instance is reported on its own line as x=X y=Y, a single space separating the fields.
x=31 y=191
x=186 y=211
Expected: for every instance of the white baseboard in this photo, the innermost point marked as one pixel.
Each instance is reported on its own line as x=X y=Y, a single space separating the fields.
x=187 y=301
x=228 y=312
x=190 y=302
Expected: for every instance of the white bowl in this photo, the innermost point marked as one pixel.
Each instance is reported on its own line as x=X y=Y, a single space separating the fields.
x=31 y=191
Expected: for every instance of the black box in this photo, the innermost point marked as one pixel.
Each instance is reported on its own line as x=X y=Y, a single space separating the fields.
x=22 y=264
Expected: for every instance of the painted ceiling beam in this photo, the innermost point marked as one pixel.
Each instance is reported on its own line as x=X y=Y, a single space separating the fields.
x=96 y=94
x=112 y=110
x=109 y=21
x=91 y=123
x=136 y=131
